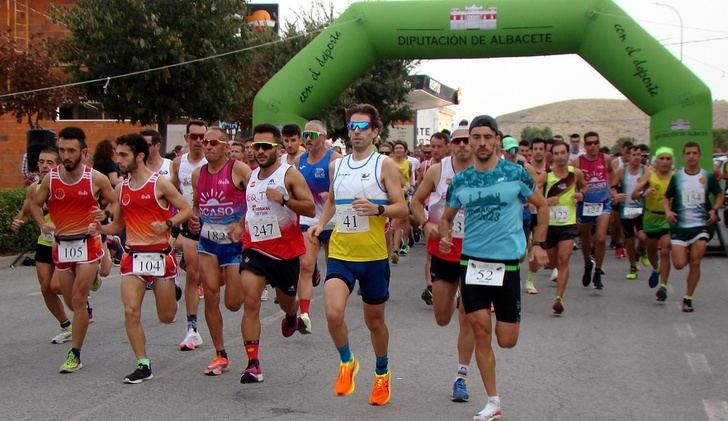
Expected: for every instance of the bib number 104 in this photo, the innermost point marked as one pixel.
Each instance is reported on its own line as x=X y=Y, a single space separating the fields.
x=150 y=264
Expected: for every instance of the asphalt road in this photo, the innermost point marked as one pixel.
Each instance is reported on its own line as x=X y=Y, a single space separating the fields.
x=615 y=354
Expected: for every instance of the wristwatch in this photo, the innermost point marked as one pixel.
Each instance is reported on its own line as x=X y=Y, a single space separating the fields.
x=380 y=210
x=284 y=201
x=169 y=223
x=541 y=244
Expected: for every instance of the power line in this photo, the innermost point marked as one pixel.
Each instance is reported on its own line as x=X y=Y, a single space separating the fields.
x=596 y=12
x=697 y=41
x=169 y=66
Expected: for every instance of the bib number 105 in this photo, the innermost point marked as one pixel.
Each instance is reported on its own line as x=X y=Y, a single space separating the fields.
x=72 y=251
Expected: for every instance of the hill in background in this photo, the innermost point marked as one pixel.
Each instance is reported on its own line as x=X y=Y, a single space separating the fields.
x=611 y=118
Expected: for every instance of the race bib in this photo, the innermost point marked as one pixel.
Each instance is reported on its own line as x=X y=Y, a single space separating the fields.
x=632 y=212
x=148 y=264
x=458 y=224
x=592 y=209
x=559 y=214
x=694 y=198
x=348 y=221
x=264 y=228
x=72 y=251
x=49 y=237
x=485 y=274
x=216 y=232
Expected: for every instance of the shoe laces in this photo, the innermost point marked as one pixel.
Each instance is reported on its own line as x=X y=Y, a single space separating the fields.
x=380 y=382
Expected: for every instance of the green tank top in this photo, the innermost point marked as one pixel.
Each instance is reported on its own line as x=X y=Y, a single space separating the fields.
x=564 y=213
x=654 y=203
x=43 y=240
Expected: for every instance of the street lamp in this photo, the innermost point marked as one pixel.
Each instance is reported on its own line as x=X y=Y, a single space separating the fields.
x=681 y=25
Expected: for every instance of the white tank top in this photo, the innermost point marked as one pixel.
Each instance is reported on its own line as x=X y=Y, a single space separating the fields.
x=436 y=201
x=184 y=175
x=166 y=169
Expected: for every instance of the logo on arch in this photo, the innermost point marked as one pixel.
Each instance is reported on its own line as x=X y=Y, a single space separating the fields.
x=473 y=17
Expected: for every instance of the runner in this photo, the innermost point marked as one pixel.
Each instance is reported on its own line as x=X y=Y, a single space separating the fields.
x=182 y=169
x=539 y=164
x=314 y=166
x=445 y=267
x=563 y=186
x=291 y=144
x=366 y=189
x=630 y=210
x=276 y=195
x=71 y=192
x=219 y=205
x=156 y=162
x=145 y=210
x=400 y=226
x=692 y=216
x=50 y=287
x=594 y=211
x=491 y=194
x=652 y=187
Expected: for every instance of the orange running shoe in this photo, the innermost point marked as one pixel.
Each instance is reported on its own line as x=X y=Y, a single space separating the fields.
x=217 y=366
x=382 y=390
x=345 y=382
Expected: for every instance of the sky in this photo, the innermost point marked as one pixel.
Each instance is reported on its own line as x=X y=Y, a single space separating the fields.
x=568 y=76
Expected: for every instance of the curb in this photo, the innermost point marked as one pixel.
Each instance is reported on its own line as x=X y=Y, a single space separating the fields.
x=5 y=261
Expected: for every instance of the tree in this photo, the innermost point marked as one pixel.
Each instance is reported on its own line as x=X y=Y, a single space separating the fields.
x=720 y=140
x=114 y=37
x=27 y=70
x=617 y=147
x=529 y=133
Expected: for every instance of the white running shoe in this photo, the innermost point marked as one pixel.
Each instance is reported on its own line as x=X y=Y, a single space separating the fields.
x=264 y=295
x=191 y=341
x=304 y=324
x=62 y=337
x=554 y=275
x=489 y=413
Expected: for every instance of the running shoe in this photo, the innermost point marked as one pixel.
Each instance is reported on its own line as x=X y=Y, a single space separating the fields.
x=96 y=284
x=597 y=280
x=217 y=366
x=587 y=277
x=645 y=260
x=191 y=341
x=90 y=312
x=554 y=275
x=687 y=305
x=264 y=294
x=143 y=372
x=427 y=296
x=304 y=324
x=394 y=258
x=530 y=288
x=632 y=275
x=558 y=306
x=619 y=253
x=289 y=329
x=460 y=390
x=661 y=294
x=62 y=337
x=417 y=235
x=345 y=384
x=252 y=373
x=404 y=249
x=177 y=292
x=72 y=363
x=382 y=389
x=489 y=413
x=654 y=279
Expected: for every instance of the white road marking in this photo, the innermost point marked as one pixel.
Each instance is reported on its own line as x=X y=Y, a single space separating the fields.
x=32 y=294
x=716 y=410
x=684 y=330
x=698 y=364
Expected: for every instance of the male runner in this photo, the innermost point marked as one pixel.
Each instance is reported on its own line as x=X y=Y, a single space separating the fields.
x=156 y=162
x=71 y=191
x=366 y=189
x=630 y=210
x=314 y=166
x=277 y=195
x=291 y=144
x=219 y=205
x=491 y=193
x=445 y=267
x=692 y=216
x=145 y=211
x=182 y=169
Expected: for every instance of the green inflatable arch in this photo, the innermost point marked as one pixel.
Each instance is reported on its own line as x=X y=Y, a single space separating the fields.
x=678 y=103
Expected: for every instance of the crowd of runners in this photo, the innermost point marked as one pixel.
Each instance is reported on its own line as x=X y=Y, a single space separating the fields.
x=239 y=216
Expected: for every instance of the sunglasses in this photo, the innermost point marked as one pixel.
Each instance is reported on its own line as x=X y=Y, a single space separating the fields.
x=359 y=125
x=592 y=143
x=385 y=153
x=213 y=142
x=310 y=134
x=196 y=136
x=265 y=146
x=459 y=140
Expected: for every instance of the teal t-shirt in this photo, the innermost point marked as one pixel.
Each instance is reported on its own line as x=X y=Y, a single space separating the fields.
x=492 y=201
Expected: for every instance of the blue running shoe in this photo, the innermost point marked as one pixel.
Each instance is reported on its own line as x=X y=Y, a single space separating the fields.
x=661 y=294
x=654 y=279
x=460 y=390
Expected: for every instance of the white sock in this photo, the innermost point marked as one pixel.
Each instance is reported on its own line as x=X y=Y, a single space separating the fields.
x=495 y=400
x=462 y=370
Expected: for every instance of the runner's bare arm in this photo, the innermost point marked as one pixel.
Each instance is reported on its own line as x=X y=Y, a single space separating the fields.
x=426 y=187
x=581 y=186
x=173 y=173
x=40 y=197
x=392 y=181
x=19 y=218
x=117 y=224
x=301 y=198
x=175 y=198
x=642 y=183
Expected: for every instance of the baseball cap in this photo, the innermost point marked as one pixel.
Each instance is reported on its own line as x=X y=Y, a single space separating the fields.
x=509 y=143
x=484 y=121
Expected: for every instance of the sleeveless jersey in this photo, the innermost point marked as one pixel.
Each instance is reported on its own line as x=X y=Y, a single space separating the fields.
x=318 y=180
x=436 y=204
x=221 y=203
x=166 y=169
x=654 y=203
x=564 y=213
x=185 y=175
x=70 y=205
x=140 y=208
x=404 y=169
x=596 y=174
x=629 y=182
x=44 y=240
x=271 y=228
x=352 y=179
x=690 y=194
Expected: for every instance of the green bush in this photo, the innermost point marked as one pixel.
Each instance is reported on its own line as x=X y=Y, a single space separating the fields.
x=14 y=242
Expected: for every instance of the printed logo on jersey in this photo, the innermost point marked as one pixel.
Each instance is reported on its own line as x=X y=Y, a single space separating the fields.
x=215 y=204
x=59 y=194
x=318 y=173
x=125 y=200
x=487 y=208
